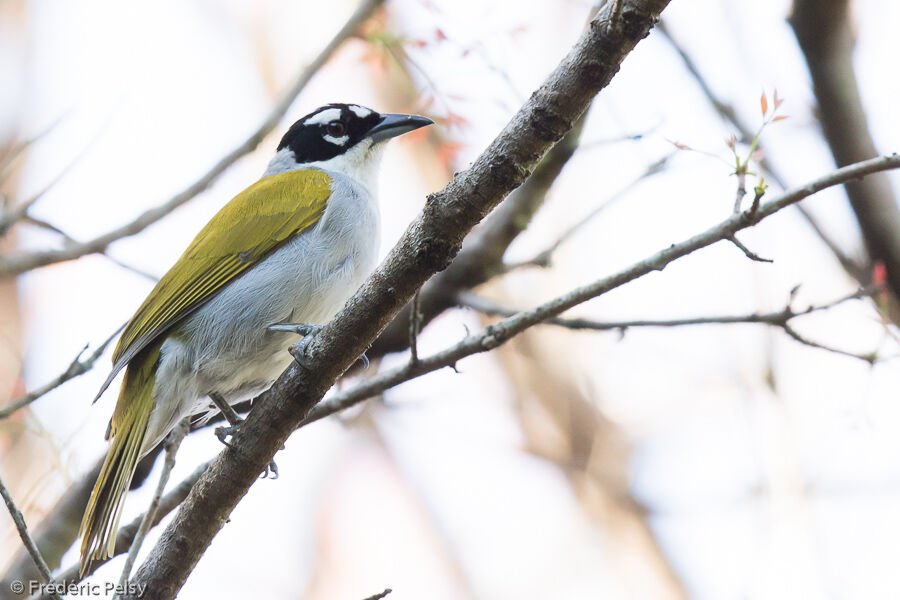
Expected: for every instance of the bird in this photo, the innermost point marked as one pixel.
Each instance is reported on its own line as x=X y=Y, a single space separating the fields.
x=280 y=258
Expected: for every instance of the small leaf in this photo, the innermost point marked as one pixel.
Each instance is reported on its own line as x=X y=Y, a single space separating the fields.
x=679 y=145
x=763 y=104
x=776 y=100
x=780 y=118
x=731 y=141
x=439 y=34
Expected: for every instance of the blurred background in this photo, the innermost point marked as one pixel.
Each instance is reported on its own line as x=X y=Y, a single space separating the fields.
x=709 y=461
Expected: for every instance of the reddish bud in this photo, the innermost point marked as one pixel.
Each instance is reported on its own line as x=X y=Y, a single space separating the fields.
x=879 y=273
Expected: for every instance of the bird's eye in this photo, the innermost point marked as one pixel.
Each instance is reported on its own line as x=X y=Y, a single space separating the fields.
x=335 y=129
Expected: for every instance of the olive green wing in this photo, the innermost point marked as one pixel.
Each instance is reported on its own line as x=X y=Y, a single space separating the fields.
x=256 y=222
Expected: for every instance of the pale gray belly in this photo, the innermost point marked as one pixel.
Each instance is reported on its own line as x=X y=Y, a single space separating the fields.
x=234 y=353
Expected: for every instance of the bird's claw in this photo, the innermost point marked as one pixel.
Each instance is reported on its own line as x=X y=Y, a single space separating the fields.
x=306 y=330
x=222 y=434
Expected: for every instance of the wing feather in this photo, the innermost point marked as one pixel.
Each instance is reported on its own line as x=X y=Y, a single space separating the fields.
x=255 y=223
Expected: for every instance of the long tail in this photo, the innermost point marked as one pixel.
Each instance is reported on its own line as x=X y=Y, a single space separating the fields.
x=127 y=429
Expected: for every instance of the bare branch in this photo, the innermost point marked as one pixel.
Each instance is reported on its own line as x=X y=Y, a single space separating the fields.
x=72 y=241
x=11 y=266
x=778 y=319
x=26 y=538
x=173 y=441
x=869 y=358
x=14 y=153
x=775 y=318
x=543 y=258
x=76 y=367
x=747 y=251
x=380 y=596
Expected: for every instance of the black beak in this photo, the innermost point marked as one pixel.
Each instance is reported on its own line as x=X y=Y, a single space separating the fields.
x=393 y=125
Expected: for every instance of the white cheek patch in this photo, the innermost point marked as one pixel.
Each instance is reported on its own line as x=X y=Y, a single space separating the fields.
x=337 y=141
x=329 y=114
x=360 y=111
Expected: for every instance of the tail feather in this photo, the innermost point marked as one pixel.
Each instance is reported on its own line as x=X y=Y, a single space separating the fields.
x=128 y=428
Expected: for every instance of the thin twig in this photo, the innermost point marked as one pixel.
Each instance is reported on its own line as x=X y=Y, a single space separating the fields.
x=19 y=522
x=415 y=322
x=11 y=266
x=20 y=211
x=13 y=154
x=76 y=367
x=870 y=358
x=778 y=319
x=380 y=596
x=774 y=318
x=37 y=222
x=543 y=258
x=747 y=251
x=173 y=440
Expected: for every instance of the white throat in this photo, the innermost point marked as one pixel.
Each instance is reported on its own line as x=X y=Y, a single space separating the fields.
x=360 y=163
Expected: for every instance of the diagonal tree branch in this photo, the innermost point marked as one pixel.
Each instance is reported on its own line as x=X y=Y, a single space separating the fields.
x=824 y=33
x=27 y=540
x=428 y=246
x=11 y=266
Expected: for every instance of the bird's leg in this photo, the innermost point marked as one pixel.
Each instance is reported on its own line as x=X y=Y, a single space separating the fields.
x=307 y=331
x=234 y=422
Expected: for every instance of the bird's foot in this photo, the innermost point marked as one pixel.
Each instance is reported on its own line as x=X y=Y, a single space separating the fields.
x=307 y=331
x=234 y=425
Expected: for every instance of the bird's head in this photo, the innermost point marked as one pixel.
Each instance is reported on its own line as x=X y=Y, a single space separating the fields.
x=345 y=138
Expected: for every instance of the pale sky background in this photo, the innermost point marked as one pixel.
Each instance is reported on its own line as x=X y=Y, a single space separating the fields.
x=752 y=494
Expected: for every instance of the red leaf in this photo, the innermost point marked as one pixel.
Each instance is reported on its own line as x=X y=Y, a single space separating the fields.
x=679 y=145
x=764 y=104
x=780 y=118
x=776 y=100
x=439 y=34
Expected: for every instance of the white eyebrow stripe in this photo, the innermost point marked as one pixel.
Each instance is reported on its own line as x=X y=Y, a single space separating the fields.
x=329 y=114
x=360 y=111
x=338 y=141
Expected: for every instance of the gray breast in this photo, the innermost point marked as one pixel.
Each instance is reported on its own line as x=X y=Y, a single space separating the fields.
x=307 y=280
